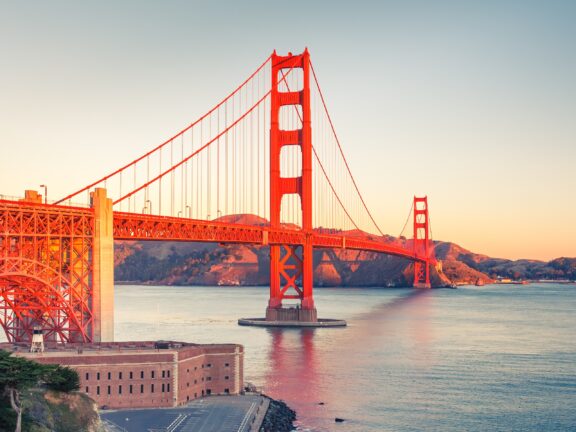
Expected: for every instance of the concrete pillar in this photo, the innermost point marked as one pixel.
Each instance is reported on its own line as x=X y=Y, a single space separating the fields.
x=103 y=267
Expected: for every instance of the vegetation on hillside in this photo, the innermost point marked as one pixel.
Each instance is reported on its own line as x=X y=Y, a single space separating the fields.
x=463 y=261
x=18 y=375
x=171 y=263
x=179 y=268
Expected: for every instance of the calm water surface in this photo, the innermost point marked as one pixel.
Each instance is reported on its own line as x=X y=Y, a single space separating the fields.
x=498 y=358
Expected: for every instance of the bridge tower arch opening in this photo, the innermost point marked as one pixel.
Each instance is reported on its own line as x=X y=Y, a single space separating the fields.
x=28 y=302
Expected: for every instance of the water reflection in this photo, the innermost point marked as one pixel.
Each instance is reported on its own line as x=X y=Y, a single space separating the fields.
x=472 y=359
x=313 y=369
x=293 y=362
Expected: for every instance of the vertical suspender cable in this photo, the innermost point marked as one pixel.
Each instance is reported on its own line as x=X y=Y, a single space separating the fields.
x=209 y=169
x=226 y=160
x=218 y=167
x=258 y=151
x=160 y=185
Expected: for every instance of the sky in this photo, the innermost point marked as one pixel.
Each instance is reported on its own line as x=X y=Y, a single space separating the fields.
x=470 y=103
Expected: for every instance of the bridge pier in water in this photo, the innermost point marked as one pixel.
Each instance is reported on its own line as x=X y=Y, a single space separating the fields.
x=291 y=266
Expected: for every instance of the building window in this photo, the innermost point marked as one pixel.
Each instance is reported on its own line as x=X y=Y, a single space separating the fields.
x=209 y=365
x=195 y=367
x=97 y=390
x=87 y=376
x=119 y=375
x=195 y=381
x=163 y=374
x=109 y=375
x=142 y=374
x=168 y=387
x=119 y=389
x=168 y=373
x=109 y=390
x=226 y=377
x=187 y=384
x=130 y=388
x=226 y=364
x=131 y=375
x=162 y=387
x=208 y=392
x=141 y=388
x=98 y=376
x=152 y=388
x=195 y=395
x=187 y=398
x=187 y=370
x=86 y=389
x=227 y=391
x=152 y=374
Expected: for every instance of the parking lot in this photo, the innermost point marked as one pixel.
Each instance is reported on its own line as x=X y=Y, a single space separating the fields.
x=213 y=414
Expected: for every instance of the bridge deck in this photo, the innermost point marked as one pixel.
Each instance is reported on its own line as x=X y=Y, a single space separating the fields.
x=135 y=226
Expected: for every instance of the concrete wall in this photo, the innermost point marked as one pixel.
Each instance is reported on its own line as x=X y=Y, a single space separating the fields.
x=103 y=267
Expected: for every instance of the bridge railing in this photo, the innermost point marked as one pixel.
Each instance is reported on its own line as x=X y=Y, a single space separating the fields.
x=10 y=197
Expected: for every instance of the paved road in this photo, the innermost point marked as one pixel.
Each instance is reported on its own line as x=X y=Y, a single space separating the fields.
x=213 y=414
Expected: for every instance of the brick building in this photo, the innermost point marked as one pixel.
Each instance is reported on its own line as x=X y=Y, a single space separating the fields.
x=148 y=374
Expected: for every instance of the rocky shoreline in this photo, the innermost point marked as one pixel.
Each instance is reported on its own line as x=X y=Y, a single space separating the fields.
x=279 y=417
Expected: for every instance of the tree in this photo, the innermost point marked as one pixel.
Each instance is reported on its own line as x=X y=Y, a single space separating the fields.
x=62 y=378
x=16 y=375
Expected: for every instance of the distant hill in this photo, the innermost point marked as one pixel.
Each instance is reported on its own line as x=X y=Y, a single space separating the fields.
x=178 y=263
x=459 y=262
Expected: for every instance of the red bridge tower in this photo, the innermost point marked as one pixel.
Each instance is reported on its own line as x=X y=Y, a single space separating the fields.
x=291 y=267
x=421 y=243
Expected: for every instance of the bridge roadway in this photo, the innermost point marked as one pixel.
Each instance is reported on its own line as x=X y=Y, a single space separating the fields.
x=136 y=226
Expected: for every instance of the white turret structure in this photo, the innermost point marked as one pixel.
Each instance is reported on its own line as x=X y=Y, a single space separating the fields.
x=37 y=340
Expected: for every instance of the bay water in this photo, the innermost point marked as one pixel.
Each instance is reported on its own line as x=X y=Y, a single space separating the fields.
x=497 y=357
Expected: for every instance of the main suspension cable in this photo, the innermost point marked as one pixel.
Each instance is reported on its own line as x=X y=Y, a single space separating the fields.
x=341 y=151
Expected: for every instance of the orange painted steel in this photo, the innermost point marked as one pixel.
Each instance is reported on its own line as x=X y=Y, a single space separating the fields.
x=45 y=271
x=291 y=267
x=421 y=243
x=51 y=256
x=143 y=227
x=46 y=260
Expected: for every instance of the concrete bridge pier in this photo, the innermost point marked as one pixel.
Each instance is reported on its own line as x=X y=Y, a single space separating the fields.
x=103 y=267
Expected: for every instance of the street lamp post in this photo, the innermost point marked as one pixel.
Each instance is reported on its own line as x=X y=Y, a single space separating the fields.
x=45 y=193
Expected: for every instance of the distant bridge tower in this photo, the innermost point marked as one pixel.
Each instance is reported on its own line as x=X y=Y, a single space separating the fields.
x=421 y=243
x=291 y=267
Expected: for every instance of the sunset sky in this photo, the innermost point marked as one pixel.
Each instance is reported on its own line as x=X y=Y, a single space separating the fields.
x=470 y=103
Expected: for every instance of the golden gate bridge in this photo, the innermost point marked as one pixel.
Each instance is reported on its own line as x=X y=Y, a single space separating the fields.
x=264 y=166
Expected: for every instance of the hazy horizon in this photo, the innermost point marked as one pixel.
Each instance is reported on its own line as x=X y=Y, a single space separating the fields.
x=471 y=104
